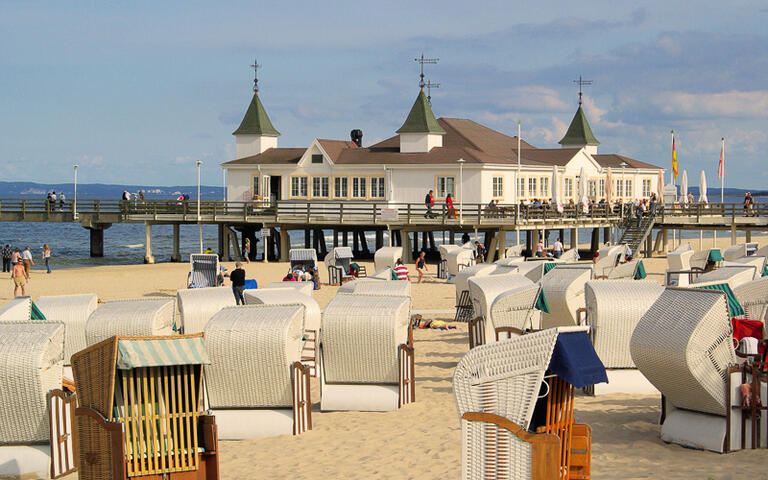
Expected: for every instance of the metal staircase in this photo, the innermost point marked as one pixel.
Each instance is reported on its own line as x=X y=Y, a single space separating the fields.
x=633 y=235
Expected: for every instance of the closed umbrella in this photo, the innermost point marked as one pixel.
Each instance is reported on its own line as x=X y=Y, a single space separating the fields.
x=583 y=190
x=661 y=185
x=608 y=186
x=684 y=188
x=703 y=188
x=556 y=200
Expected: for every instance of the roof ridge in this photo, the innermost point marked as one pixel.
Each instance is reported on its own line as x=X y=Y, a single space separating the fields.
x=459 y=133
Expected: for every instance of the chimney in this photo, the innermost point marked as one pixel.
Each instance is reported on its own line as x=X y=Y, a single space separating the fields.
x=357 y=137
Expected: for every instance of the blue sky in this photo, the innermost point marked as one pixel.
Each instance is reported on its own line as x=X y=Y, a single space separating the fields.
x=135 y=92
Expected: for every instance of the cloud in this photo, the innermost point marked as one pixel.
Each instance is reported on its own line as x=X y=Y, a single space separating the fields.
x=91 y=161
x=725 y=104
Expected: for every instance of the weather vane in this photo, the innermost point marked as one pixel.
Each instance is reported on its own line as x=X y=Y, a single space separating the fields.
x=430 y=86
x=256 y=68
x=422 y=61
x=581 y=83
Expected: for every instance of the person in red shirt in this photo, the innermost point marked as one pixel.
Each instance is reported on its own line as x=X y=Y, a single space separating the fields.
x=429 y=202
x=449 y=207
x=401 y=270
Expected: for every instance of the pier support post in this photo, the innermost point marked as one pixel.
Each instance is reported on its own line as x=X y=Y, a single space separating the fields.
x=664 y=240
x=574 y=238
x=734 y=234
x=748 y=234
x=176 y=255
x=405 y=242
x=97 y=242
x=534 y=241
x=148 y=258
x=379 y=239
x=594 y=245
x=285 y=244
x=606 y=234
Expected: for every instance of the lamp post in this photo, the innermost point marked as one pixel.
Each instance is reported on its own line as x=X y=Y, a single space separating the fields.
x=199 y=223
x=461 y=163
x=74 y=206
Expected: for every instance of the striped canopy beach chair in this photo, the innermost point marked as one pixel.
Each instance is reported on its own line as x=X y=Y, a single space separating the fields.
x=20 y=309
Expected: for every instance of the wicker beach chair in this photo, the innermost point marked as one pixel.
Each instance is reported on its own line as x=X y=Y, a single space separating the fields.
x=310 y=323
x=733 y=275
x=679 y=261
x=459 y=258
x=735 y=252
x=73 y=311
x=464 y=308
x=204 y=269
x=385 y=273
x=337 y=261
x=514 y=251
x=257 y=385
x=307 y=257
x=756 y=261
x=20 y=309
x=442 y=267
x=386 y=257
x=36 y=438
x=507 y=431
x=753 y=297
x=633 y=270
x=198 y=305
x=683 y=345
x=607 y=259
x=135 y=317
x=140 y=410
x=509 y=261
x=366 y=354
x=302 y=287
x=367 y=286
x=706 y=260
x=563 y=288
x=613 y=309
x=569 y=256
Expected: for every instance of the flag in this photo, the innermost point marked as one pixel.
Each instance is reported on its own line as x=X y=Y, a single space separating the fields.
x=720 y=171
x=674 y=156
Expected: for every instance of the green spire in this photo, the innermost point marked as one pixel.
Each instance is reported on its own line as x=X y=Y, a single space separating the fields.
x=256 y=121
x=579 y=132
x=421 y=119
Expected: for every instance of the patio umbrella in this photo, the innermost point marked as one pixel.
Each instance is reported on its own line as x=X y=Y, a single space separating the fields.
x=556 y=200
x=703 y=188
x=583 y=190
x=684 y=188
x=661 y=186
x=608 y=186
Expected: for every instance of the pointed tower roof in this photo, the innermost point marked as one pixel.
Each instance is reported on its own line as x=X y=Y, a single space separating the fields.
x=256 y=121
x=579 y=132
x=421 y=119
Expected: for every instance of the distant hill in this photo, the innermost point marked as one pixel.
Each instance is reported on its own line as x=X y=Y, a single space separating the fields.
x=105 y=191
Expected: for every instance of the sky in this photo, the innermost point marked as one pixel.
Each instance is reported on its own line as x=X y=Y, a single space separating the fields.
x=136 y=92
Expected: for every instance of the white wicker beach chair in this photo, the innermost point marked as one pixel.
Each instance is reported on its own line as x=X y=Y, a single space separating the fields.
x=366 y=356
x=701 y=259
x=365 y=286
x=337 y=261
x=762 y=251
x=564 y=291
x=257 y=385
x=459 y=258
x=734 y=252
x=135 y=317
x=302 y=287
x=570 y=255
x=753 y=260
x=198 y=305
x=304 y=256
x=732 y=275
x=18 y=309
x=204 y=269
x=679 y=261
x=514 y=251
x=497 y=388
x=383 y=274
x=509 y=261
x=613 y=309
x=386 y=257
x=534 y=271
x=461 y=282
x=73 y=311
x=753 y=298
x=624 y=270
x=607 y=259
x=31 y=366
x=684 y=346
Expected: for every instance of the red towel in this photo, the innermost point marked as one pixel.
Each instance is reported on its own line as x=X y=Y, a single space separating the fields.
x=748 y=328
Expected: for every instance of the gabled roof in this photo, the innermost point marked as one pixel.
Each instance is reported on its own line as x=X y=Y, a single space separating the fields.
x=614 y=161
x=271 y=156
x=334 y=147
x=256 y=121
x=579 y=132
x=421 y=119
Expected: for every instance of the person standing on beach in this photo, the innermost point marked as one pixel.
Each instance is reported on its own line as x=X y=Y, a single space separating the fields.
x=247 y=250
x=47 y=257
x=19 y=278
x=557 y=248
x=237 y=277
x=26 y=260
x=7 y=252
x=421 y=264
x=15 y=257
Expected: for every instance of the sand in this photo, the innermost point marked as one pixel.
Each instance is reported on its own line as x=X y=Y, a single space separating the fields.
x=421 y=440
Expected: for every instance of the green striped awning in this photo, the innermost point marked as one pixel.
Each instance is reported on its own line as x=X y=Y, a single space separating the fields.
x=35 y=313
x=640 y=271
x=161 y=352
x=765 y=270
x=541 y=302
x=734 y=307
x=549 y=266
x=715 y=255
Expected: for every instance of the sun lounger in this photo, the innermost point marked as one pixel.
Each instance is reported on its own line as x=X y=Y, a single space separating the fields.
x=135 y=317
x=564 y=291
x=613 y=309
x=684 y=347
x=198 y=305
x=31 y=365
x=204 y=270
x=366 y=362
x=257 y=386
x=140 y=410
x=506 y=430
x=303 y=287
x=73 y=311
x=386 y=257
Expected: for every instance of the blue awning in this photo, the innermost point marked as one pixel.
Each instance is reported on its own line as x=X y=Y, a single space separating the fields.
x=575 y=360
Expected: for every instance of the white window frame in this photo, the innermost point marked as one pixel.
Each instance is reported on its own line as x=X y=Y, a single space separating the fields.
x=628 y=188
x=601 y=188
x=619 y=188
x=568 y=187
x=377 y=187
x=532 y=187
x=321 y=187
x=302 y=186
x=343 y=185
x=442 y=184
x=646 y=187
x=497 y=187
x=359 y=188
x=592 y=189
x=544 y=187
x=255 y=186
x=521 y=187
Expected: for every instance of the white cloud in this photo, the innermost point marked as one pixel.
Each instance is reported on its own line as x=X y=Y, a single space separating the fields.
x=91 y=161
x=725 y=104
x=534 y=98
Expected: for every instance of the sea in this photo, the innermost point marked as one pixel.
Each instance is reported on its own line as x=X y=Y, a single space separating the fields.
x=124 y=243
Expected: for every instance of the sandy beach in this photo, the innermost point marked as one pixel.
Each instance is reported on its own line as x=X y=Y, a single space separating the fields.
x=421 y=440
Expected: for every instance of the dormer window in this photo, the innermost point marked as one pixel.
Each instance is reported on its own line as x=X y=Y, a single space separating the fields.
x=317 y=158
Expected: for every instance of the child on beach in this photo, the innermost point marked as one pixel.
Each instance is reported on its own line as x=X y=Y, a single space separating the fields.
x=19 y=277
x=421 y=265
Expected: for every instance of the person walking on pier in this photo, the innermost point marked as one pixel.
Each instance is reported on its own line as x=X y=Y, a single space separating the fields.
x=26 y=260
x=429 y=202
x=19 y=279
x=7 y=252
x=62 y=201
x=47 y=257
x=237 y=277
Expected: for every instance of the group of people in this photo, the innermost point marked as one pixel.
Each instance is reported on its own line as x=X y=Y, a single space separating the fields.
x=127 y=196
x=644 y=207
x=18 y=263
x=301 y=274
x=52 y=200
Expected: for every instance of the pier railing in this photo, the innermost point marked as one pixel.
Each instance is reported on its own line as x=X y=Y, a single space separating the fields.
x=353 y=213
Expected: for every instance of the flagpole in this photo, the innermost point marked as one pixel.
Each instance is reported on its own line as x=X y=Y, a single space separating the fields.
x=722 y=171
x=672 y=170
x=517 y=186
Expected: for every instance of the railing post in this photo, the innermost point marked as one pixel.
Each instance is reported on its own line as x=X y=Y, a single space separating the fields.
x=341 y=213
x=374 y=213
x=408 y=222
x=479 y=213
x=442 y=207
x=23 y=209
x=309 y=211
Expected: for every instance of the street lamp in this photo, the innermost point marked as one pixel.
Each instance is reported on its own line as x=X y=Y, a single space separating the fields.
x=461 y=163
x=199 y=223
x=74 y=207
